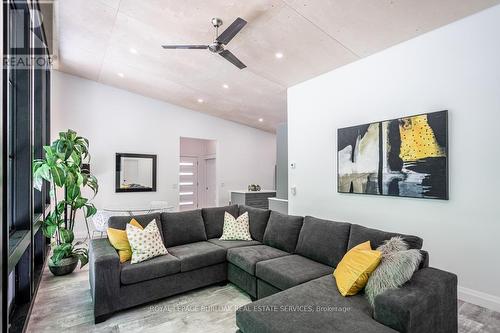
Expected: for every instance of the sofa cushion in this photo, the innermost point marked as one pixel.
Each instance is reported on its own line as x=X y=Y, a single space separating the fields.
x=355 y=268
x=282 y=231
x=183 y=227
x=236 y=228
x=233 y=243
x=145 y=243
x=120 y=222
x=323 y=240
x=320 y=306
x=149 y=269
x=360 y=234
x=214 y=219
x=258 y=220
x=198 y=255
x=289 y=271
x=119 y=240
x=247 y=257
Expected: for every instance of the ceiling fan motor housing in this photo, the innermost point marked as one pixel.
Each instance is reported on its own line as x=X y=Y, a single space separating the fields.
x=216 y=47
x=217 y=22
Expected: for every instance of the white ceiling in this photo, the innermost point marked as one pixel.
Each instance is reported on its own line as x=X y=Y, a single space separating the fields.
x=94 y=38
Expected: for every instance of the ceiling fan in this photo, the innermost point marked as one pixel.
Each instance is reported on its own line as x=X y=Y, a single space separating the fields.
x=218 y=44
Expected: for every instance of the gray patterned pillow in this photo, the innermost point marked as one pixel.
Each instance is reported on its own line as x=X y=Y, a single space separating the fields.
x=396 y=268
x=145 y=243
x=236 y=229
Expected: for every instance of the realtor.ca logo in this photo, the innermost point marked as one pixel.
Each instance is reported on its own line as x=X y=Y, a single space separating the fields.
x=29 y=34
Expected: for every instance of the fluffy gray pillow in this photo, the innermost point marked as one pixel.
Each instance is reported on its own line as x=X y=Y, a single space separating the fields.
x=396 y=268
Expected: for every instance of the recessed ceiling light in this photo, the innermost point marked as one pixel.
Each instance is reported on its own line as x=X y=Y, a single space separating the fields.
x=132 y=50
x=121 y=75
x=200 y=100
x=278 y=55
x=225 y=86
x=261 y=120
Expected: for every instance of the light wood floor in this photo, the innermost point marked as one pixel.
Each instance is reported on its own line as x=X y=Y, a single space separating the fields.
x=63 y=304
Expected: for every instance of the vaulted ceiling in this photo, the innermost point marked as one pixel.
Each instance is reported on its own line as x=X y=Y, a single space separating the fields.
x=118 y=42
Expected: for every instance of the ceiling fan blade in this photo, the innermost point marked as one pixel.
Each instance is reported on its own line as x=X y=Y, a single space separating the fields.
x=195 y=47
x=232 y=59
x=231 y=31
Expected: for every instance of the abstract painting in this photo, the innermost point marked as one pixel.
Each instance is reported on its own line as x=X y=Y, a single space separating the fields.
x=404 y=157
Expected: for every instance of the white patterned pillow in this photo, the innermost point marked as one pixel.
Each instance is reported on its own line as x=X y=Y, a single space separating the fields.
x=236 y=229
x=145 y=243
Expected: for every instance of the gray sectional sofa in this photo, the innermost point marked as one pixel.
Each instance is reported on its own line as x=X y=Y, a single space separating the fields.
x=286 y=270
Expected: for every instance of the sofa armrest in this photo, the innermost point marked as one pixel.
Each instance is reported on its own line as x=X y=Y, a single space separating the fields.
x=104 y=277
x=426 y=303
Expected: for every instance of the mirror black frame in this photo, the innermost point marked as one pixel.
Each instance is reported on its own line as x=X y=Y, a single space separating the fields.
x=119 y=167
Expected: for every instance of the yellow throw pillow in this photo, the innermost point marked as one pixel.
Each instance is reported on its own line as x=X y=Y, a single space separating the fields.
x=118 y=238
x=354 y=269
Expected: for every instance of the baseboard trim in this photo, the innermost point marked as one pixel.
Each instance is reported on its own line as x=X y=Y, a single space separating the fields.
x=479 y=298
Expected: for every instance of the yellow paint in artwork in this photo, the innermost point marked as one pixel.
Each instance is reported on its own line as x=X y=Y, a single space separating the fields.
x=418 y=140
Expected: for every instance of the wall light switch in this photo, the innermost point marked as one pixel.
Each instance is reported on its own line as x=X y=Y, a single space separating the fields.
x=293 y=190
x=222 y=185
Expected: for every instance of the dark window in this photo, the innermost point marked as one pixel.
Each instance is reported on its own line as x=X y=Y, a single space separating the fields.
x=26 y=128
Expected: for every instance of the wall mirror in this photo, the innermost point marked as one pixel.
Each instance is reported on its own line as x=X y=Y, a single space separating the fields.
x=135 y=173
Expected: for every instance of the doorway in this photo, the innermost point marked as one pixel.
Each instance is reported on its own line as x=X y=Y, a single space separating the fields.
x=197 y=173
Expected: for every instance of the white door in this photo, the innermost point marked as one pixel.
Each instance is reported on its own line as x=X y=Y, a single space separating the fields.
x=210 y=183
x=188 y=183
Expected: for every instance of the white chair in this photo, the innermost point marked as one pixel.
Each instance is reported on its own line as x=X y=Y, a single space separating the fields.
x=100 y=221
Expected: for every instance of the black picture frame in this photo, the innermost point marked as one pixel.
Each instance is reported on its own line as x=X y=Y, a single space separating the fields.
x=118 y=158
x=446 y=187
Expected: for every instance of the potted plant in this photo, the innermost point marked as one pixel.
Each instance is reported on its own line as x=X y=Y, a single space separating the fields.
x=62 y=169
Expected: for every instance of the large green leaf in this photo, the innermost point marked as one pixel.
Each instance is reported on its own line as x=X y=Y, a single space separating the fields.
x=70 y=178
x=80 y=202
x=50 y=155
x=82 y=255
x=92 y=183
x=49 y=226
x=67 y=236
x=41 y=171
x=76 y=156
x=60 y=207
x=58 y=175
x=64 y=148
x=62 y=135
x=71 y=135
x=37 y=164
x=62 y=251
x=90 y=210
x=73 y=191
x=79 y=179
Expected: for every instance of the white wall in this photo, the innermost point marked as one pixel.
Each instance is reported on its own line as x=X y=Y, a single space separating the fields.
x=197 y=147
x=115 y=120
x=456 y=68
